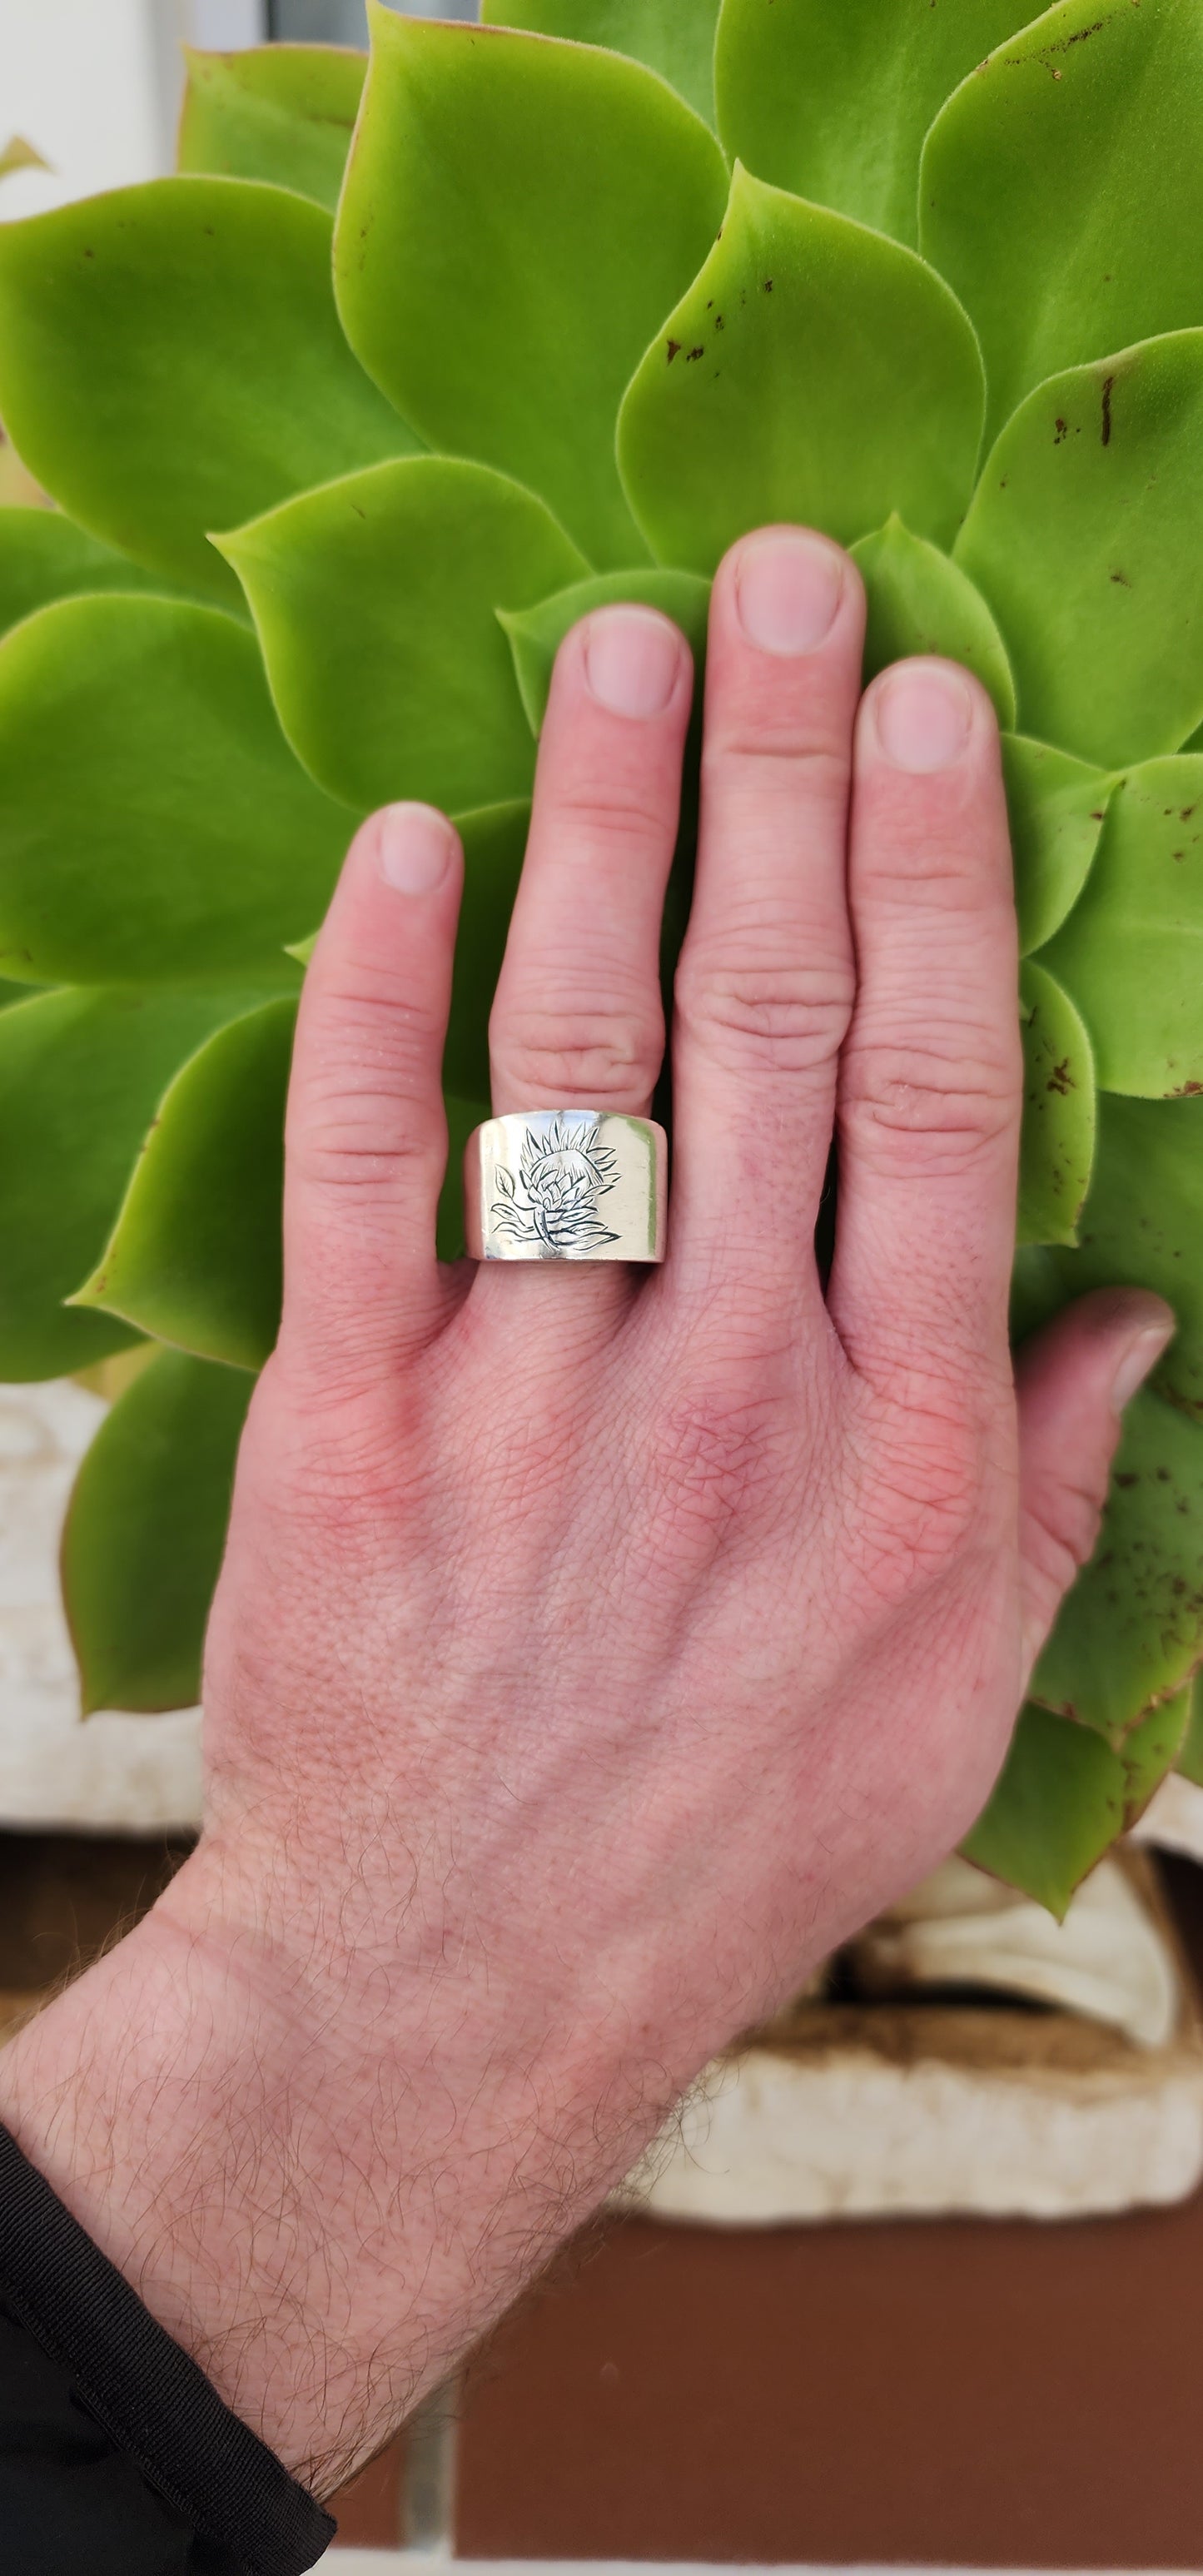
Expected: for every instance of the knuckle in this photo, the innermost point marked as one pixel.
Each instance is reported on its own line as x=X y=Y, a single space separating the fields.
x=920 y=1502
x=748 y=1005
x=350 y=1135
x=716 y=1458
x=347 y=1453
x=584 y=1053
x=610 y=811
x=932 y=1104
x=779 y=750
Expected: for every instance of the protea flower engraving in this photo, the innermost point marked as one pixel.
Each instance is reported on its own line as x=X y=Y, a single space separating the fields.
x=563 y=1175
x=347 y=424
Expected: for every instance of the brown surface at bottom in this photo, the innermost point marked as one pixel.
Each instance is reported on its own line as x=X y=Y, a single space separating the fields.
x=943 y=2393
x=368 y=2512
x=991 y=2394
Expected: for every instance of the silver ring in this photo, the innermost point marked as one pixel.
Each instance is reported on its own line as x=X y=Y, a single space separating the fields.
x=566 y=1185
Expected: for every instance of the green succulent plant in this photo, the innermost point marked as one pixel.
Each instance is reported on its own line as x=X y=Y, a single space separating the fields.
x=348 y=422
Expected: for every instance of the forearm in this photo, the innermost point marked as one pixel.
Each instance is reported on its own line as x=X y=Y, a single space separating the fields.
x=322 y=2178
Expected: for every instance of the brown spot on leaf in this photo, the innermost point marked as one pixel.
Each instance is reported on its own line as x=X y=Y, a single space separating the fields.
x=1061 y=1079
x=1062 y=432
x=694 y=353
x=1108 y=382
x=674 y=350
x=1122 y=579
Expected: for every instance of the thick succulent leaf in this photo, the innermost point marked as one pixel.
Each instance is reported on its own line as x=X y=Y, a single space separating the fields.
x=1132 y=951
x=1064 y=1796
x=494 y=846
x=171 y=362
x=145 y=1531
x=284 y=113
x=921 y=602
x=462 y=1117
x=834 y=101
x=1190 y=1751
x=1061 y=193
x=536 y=634
x=673 y=37
x=1058 y=1111
x=1131 y=1631
x=195 y=1257
x=1142 y=1225
x=815 y=372
x=376 y=601
x=518 y=215
x=1084 y=535
x=156 y=825
x=1057 y=807
x=81 y=1075
x=44 y=556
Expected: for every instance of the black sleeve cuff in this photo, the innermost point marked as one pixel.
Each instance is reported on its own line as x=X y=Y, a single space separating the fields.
x=215 y=2477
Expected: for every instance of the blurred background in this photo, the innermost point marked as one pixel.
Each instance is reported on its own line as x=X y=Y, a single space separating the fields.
x=95 y=85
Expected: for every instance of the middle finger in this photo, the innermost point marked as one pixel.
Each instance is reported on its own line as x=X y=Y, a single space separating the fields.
x=766 y=980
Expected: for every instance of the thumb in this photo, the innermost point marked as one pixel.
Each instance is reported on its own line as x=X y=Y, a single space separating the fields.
x=1072 y=1381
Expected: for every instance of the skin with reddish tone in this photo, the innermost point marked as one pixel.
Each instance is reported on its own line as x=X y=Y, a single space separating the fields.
x=595 y=1648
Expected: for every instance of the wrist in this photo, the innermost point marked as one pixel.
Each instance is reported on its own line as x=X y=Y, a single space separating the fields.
x=321 y=2169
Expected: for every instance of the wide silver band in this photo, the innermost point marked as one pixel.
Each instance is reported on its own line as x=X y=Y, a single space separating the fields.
x=566 y=1185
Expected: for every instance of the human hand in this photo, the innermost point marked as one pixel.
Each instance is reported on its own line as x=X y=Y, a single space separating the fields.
x=595 y=1649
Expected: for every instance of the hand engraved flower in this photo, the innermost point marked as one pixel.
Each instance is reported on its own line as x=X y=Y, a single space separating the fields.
x=564 y=1172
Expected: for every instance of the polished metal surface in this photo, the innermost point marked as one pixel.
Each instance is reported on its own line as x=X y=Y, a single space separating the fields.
x=566 y=1185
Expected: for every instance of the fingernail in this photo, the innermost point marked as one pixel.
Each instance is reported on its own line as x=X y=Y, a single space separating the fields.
x=1143 y=1352
x=788 y=587
x=924 y=714
x=632 y=660
x=413 y=847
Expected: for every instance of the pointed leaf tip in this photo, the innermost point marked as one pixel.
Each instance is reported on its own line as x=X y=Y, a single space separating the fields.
x=673 y=37
x=816 y=372
x=517 y=216
x=375 y=600
x=834 y=103
x=919 y=601
x=1084 y=535
x=171 y=361
x=1060 y=194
